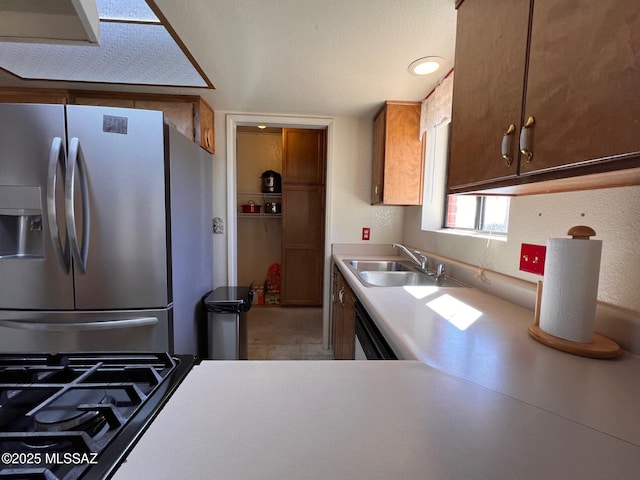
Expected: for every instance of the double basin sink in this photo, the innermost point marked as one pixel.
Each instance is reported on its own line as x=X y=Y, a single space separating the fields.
x=392 y=273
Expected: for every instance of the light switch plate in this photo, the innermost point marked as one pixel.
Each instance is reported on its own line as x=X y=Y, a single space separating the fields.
x=532 y=258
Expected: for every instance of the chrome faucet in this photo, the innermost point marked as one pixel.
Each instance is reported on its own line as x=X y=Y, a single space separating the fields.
x=421 y=260
x=440 y=269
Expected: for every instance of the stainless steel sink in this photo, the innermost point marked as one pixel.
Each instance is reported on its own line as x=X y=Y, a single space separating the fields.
x=375 y=265
x=401 y=279
x=391 y=273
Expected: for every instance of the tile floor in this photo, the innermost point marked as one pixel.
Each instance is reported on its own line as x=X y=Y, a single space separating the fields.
x=278 y=333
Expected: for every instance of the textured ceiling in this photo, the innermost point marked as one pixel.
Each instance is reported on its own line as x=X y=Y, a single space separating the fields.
x=307 y=57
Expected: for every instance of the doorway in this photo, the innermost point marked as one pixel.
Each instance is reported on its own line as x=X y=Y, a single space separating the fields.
x=233 y=123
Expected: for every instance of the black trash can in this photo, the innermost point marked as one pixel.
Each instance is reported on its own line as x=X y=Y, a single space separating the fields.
x=227 y=309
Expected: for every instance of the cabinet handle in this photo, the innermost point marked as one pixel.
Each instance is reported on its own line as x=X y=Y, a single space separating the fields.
x=341 y=296
x=506 y=145
x=526 y=139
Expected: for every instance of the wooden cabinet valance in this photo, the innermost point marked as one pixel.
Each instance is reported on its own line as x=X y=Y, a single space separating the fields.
x=192 y=116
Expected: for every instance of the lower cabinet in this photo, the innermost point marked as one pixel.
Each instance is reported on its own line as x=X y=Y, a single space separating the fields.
x=343 y=318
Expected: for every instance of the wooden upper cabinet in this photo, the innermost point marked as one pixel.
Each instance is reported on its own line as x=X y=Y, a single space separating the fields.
x=303 y=156
x=103 y=101
x=377 y=164
x=491 y=49
x=181 y=114
x=570 y=67
x=583 y=88
x=205 y=135
x=23 y=95
x=192 y=116
x=397 y=162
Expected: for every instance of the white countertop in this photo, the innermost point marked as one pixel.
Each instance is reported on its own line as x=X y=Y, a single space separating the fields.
x=495 y=351
x=362 y=420
x=472 y=400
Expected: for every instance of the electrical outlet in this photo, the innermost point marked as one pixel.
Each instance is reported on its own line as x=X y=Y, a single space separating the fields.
x=532 y=258
x=366 y=233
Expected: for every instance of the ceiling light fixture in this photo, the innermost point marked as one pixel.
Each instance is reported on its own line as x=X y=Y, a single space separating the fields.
x=425 y=65
x=262 y=127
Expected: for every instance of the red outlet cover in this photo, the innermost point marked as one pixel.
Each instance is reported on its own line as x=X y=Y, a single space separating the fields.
x=532 y=258
x=366 y=231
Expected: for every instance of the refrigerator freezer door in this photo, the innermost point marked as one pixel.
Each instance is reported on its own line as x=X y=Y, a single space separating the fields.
x=69 y=331
x=32 y=273
x=122 y=152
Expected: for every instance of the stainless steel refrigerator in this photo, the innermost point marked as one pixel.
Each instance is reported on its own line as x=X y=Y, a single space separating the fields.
x=104 y=230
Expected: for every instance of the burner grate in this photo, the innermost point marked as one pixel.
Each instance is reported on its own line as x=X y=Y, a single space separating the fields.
x=94 y=403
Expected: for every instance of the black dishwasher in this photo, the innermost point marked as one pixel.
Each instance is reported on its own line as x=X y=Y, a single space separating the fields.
x=373 y=344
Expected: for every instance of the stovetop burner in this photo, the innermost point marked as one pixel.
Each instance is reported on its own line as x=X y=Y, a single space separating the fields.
x=70 y=411
x=74 y=416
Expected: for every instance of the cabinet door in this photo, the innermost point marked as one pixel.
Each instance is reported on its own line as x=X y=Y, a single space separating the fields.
x=491 y=50
x=335 y=305
x=403 y=160
x=583 y=84
x=344 y=320
x=349 y=322
x=205 y=131
x=302 y=244
x=377 y=167
x=303 y=156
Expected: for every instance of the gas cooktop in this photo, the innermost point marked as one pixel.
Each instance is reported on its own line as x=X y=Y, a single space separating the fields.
x=72 y=416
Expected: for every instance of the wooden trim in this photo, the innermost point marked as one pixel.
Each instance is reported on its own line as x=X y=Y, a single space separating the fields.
x=154 y=8
x=606 y=179
x=133 y=96
x=94 y=83
x=36 y=93
x=135 y=22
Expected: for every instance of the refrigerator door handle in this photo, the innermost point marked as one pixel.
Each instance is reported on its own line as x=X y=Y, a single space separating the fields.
x=75 y=162
x=56 y=157
x=80 y=326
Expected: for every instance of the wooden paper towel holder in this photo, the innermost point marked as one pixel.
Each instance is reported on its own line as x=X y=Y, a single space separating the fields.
x=600 y=347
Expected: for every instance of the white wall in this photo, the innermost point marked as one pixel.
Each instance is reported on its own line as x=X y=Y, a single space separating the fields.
x=219 y=172
x=612 y=213
x=351 y=188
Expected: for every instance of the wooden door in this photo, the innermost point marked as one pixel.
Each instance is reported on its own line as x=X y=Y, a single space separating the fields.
x=303 y=209
x=302 y=244
x=584 y=82
x=491 y=51
x=303 y=156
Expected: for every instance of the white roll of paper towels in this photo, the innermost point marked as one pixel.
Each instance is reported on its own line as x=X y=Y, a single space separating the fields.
x=570 y=292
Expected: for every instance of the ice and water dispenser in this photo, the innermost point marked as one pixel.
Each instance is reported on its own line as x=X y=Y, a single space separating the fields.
x=21 y=233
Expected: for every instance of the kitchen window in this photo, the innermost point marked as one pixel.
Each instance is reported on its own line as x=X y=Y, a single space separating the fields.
x=483 y=214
